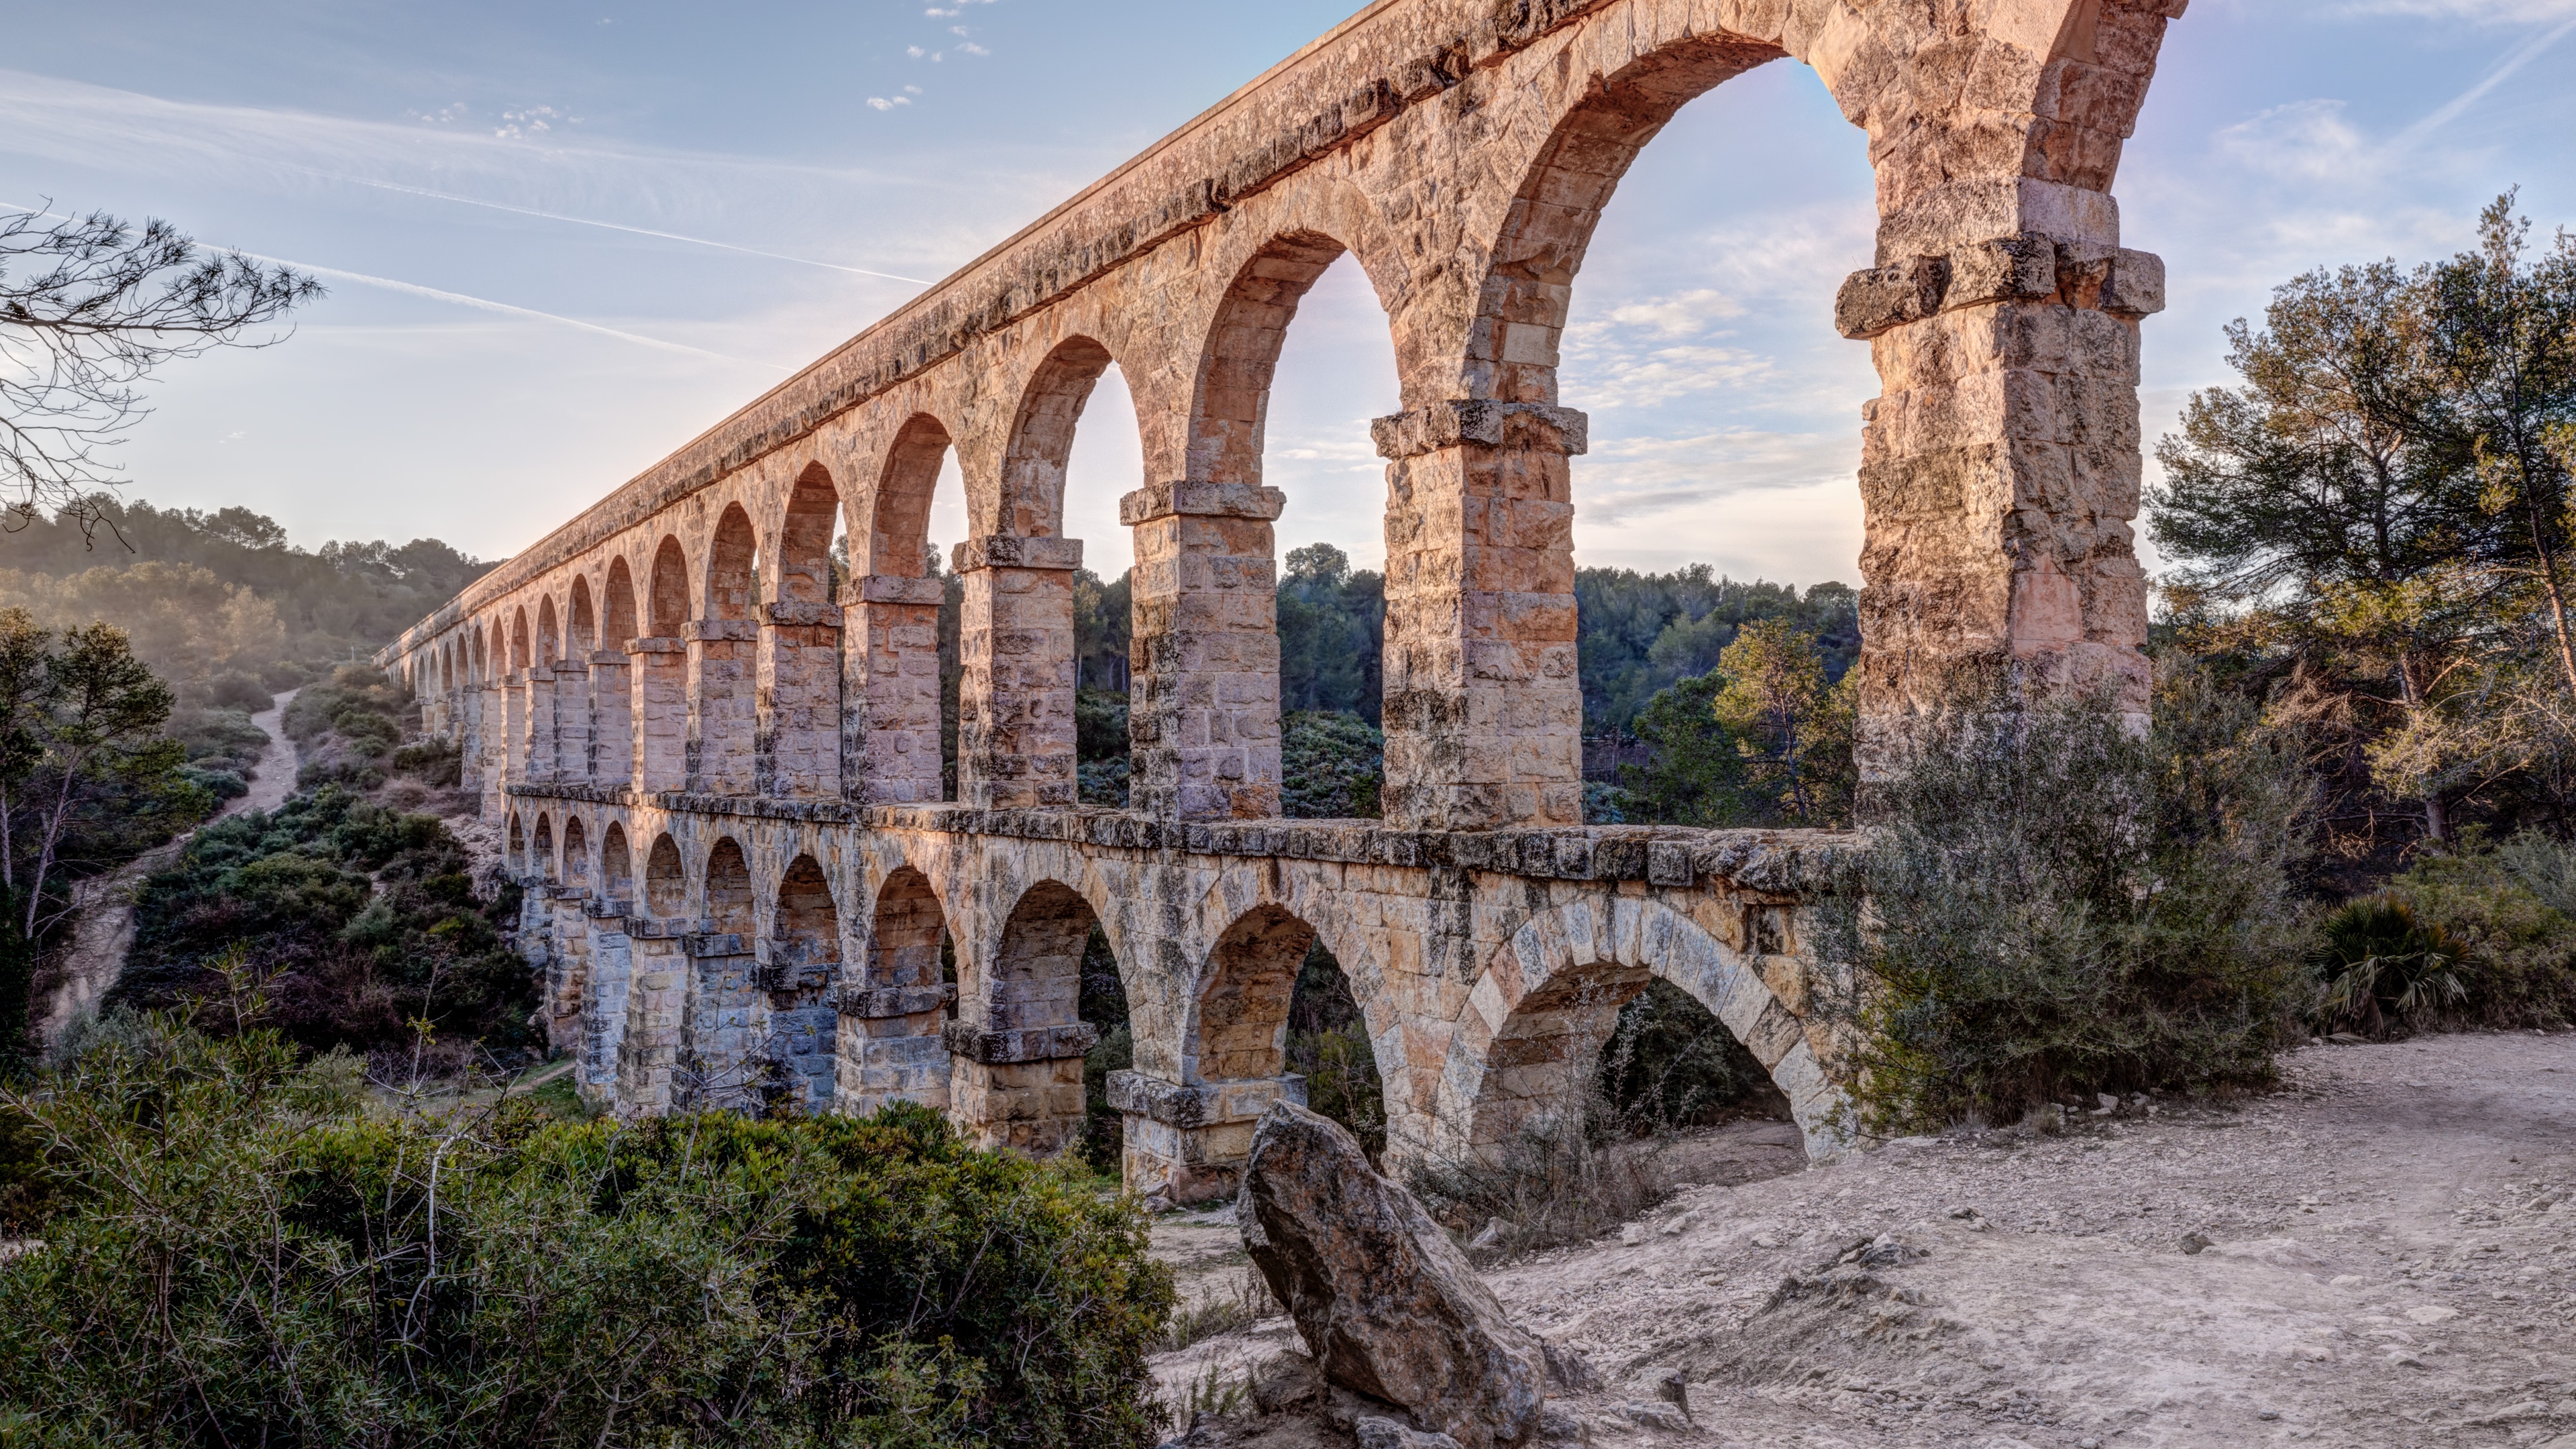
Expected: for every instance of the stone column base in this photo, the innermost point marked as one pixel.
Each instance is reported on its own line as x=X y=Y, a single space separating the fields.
x=1190 y=1142
x=1018 y=1090
x=891 y=1048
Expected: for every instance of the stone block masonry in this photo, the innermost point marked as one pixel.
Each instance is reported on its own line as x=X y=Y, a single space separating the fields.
x=716 y=690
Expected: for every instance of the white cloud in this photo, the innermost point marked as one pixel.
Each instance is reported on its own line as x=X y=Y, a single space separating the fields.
x=2305 y=140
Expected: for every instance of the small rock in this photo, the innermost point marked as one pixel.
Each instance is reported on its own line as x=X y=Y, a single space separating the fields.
x=2268 y=1415
x=1964 y=1213
x=1490 y=1239
x=1670 y=1388
x=2346 y=1280
x=1681 y=1225
x=2109 y=1102
x=1765 y=1240
x=1632 y=1234
x=1388 y=1434
x=1286 y=1381
x=2196 y=1244
x=1558 y=1425
x=1568 y=1371
x=2432 y=1313
x=1656 y=1416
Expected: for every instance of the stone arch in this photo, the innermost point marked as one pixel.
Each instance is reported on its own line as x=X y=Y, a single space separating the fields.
x=719 y=1065
x=801 y=974
x=541 y=850
x=1238 y=1023
x=724 y=711
x=892 y=1011
x=549 y=637
x=1030 y=503
x=729 y=907
x=516 y=850
x=519 y=657
x=576 y=853
x=730 y=582
x=899 y=521
x=617 y=605
x=670 y=583
x=616 y=864
x=1558 y=985
x=799 y=740
x=1230 y=402
x=666 y=881
x=581 y=635
x=1020 y=1034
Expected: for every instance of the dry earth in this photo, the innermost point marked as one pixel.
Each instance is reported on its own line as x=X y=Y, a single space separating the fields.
x=2392 y=1262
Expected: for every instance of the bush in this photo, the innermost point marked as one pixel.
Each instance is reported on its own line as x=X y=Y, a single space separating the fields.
x=320 y=1275
x=2056 y=907
x=239 y=691
x=346 y=730
x=1671 y=1064
x=357 y=918
x=2508 y=910
x=1328 y=1045
x=2379 y=965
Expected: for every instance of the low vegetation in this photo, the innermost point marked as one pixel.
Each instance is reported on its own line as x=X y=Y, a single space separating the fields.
x=325 y=1273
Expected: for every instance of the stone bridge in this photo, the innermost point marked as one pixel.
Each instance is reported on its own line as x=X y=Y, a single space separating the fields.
x=723 y=770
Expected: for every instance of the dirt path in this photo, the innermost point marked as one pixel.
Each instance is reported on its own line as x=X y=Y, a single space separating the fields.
x=106 y=904
x=2391 y=1262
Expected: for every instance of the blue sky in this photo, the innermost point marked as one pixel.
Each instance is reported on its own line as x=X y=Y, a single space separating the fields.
x=562 y=240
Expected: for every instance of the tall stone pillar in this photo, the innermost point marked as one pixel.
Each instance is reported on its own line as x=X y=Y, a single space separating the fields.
x=657 y=1002
x=603 y=1006
x=491 y=753
x=800 y=1023
x=1204 y=713
x=890 y=715
x=717 y=1069
x=1999 y=473
x=798 y=745
x=1484 y=706
x=514 y=728
x=537 y=752
x=1190 y=1142
x=572 y=720
x=570 y=964
x=723 y=714
x=1015 y=704
x=661 y=713
x=612 y=718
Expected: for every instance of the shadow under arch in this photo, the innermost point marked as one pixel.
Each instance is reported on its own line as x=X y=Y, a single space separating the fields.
x=1557 y=986
x=719 y=1067
x=1019 y=1039
x=797 y=744
x=801 y=971
x=723 y=663
x=895 y=1010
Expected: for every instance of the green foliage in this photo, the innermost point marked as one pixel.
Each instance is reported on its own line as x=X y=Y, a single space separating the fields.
x=1642 y=634
x=221 y=600
x=2379 y=966
x=1328 y=1045
x=2510 y=914
x=323 y=1275
x=1331 y=766
x=1332 y=631
x=1672 y=1064
x=2057 y=906
x=1103 y=1004
x=1694 y=774
x=358 y=918
x=1760 y=740
x=347 y=731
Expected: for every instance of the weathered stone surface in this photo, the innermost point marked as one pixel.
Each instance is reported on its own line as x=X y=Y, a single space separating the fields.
x=1386 y=1302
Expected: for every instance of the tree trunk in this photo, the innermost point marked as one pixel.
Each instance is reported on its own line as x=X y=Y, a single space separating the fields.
x=2437 y=823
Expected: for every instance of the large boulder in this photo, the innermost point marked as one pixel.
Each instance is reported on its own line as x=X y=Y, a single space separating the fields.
x=1387 y=1303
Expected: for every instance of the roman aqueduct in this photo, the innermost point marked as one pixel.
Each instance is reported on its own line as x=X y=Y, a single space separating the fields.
x=721 y=774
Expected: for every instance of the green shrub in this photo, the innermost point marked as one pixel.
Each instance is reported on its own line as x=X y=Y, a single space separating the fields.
x=2058 y=907
x=1328 y=1045
x=2379 y=966
x=1672 y=1064
x=357 y=918
x=320 y=1275
x=2508 y=910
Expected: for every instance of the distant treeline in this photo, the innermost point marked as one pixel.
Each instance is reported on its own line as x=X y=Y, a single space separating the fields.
x=220 y=604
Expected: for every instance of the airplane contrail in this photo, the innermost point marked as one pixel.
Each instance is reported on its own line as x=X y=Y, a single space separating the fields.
x=610 y=225
x=2521 y=57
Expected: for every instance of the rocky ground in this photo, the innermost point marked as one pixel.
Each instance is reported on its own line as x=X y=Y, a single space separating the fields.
x=2381 y=1254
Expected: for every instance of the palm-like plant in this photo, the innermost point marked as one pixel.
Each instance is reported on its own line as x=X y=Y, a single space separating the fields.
x=2381 y=964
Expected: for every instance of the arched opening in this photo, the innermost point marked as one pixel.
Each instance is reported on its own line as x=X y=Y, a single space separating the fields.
x=518 y=640
x=803 y=969
x=1020 y=1079
x=1329 y=1047
x=724 y=665
x=582 y=639
x=1102 y=469
x=906 y=670
x=720 y=1067
x=799 y=741
x=617 y=605
x=576 y=853
x=517 y=849
x=612 y=685
x=542 y=852
x=616 y=865
x=891 y=1044
x=1016 y=736
x=666 y=882
x=661 y=686
x=670 y=589
x=549 y=639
